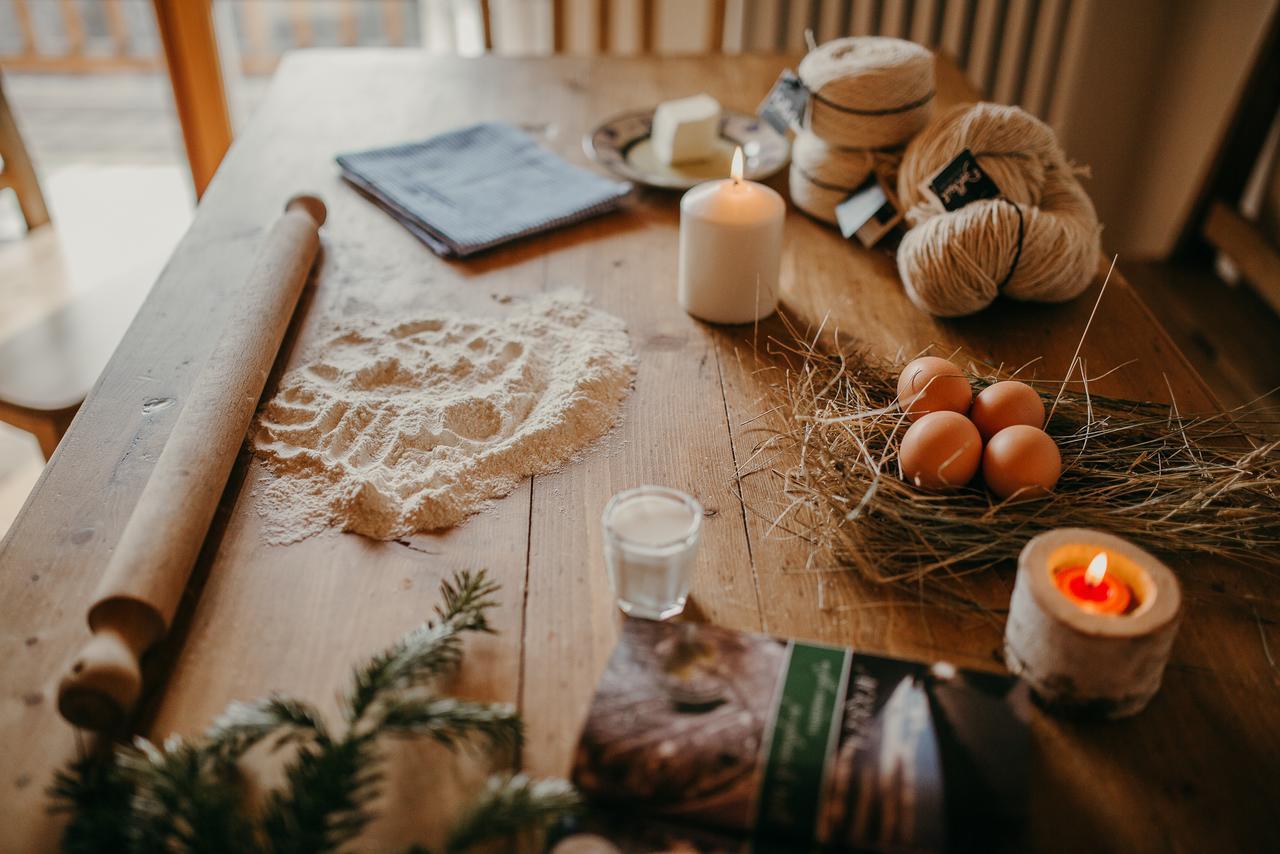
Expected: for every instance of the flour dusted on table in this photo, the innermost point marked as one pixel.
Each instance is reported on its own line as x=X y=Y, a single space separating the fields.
x=392 y=428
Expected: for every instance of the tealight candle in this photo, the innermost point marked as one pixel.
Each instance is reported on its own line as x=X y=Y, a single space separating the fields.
x=1091 y=589
x=730 y=249
x=1091 y=622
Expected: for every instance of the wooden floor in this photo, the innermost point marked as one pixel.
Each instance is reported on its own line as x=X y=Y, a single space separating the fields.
x=121 y=118
x=124 y=118
x=1229 y=333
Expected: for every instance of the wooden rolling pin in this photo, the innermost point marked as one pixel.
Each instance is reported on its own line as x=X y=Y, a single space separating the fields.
x=139 y=593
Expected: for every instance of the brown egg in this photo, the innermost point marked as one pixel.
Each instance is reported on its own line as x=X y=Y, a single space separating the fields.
x=1005 y=404
x=942 y=450
x=1023 y=458
x=930 y=384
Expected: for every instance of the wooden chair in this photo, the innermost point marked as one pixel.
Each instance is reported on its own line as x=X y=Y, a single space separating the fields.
x=48 y=368
x=17 y=173
x=21 y=360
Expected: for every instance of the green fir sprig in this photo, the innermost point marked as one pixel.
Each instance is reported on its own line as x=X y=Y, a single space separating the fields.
x=508 y=806
x=189 y=795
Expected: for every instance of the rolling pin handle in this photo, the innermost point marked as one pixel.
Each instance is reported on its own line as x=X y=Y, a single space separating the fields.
x=311 y=205
x=105 y=679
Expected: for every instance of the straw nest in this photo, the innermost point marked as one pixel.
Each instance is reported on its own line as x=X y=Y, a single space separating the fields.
x=1171 y=482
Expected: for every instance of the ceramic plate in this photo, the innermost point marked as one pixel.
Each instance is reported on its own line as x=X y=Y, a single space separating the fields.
x=622 y=146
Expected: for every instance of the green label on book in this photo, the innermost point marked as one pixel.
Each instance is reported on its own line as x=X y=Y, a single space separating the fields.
x=804 y=728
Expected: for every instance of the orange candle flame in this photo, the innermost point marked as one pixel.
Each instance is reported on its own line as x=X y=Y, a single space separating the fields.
x=735 y=170
x=1097 y=570
x=1091 y=589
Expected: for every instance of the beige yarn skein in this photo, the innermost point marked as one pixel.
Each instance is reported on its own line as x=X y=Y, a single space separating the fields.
x=868 y=91
x=956 y=262
x=823 y=176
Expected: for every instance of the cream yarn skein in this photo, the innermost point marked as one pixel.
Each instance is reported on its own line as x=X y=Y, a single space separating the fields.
x=823 y=176
x=1039 y=241
x=868 y=91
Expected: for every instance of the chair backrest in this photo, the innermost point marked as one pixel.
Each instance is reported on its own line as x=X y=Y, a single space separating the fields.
x=599 y=26
x=16 y=171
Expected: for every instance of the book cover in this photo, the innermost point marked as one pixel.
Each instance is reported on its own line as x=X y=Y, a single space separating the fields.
x=738 y=741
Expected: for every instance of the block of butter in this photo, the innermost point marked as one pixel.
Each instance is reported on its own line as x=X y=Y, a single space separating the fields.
x=685 y=130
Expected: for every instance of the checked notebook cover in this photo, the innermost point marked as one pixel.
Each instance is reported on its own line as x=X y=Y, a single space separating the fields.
x=474 y=188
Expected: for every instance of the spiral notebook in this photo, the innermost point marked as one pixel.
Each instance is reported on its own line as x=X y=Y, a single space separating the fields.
x=478 y=187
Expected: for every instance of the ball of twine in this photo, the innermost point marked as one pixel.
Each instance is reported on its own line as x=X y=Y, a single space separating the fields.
x=823 y=175
x=1039 y=241
x=868 y=91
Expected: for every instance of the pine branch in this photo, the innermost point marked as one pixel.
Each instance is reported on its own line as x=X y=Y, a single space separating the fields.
x=429 y=650
x=186 y=798
x=188 y=795
x=243 y=725
x=325 y=801
x=511 y=805
x=468 y=596
x=450 y=721
x=424 y=653
x=96 y=794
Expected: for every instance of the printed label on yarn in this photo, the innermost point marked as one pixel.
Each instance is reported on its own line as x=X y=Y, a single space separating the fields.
x=868 y=213
x=784 y=106
x=961 y=182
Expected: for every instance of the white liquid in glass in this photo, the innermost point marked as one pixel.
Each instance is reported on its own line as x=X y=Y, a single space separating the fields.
x=651 y=541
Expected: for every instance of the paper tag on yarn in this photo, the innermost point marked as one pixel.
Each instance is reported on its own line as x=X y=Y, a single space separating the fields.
x=783 y=108
x=868 y=213
x=961 y=182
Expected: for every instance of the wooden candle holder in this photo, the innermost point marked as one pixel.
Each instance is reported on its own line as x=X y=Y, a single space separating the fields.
x=1090 y=664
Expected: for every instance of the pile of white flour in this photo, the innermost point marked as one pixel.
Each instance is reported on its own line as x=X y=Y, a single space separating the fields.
x=392 y=428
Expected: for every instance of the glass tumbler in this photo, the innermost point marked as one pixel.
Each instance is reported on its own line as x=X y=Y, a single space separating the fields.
x=650 y=544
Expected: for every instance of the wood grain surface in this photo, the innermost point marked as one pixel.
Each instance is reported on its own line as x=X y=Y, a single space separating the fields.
x=1199 y=770
x=146 y=578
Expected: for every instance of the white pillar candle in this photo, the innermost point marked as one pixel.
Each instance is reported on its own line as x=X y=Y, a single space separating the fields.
x=730 y=249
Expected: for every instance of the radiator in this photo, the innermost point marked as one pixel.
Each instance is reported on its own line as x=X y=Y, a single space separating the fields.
x=1022 y=52
x=1013 y=51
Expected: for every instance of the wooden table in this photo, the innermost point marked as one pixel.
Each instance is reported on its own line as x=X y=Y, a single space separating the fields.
x=1199 y=770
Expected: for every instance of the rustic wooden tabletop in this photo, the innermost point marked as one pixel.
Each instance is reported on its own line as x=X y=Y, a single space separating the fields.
x=1200 y=769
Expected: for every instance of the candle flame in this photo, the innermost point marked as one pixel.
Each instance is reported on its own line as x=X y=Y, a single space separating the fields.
x=1097 y=570
x=735 y=171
